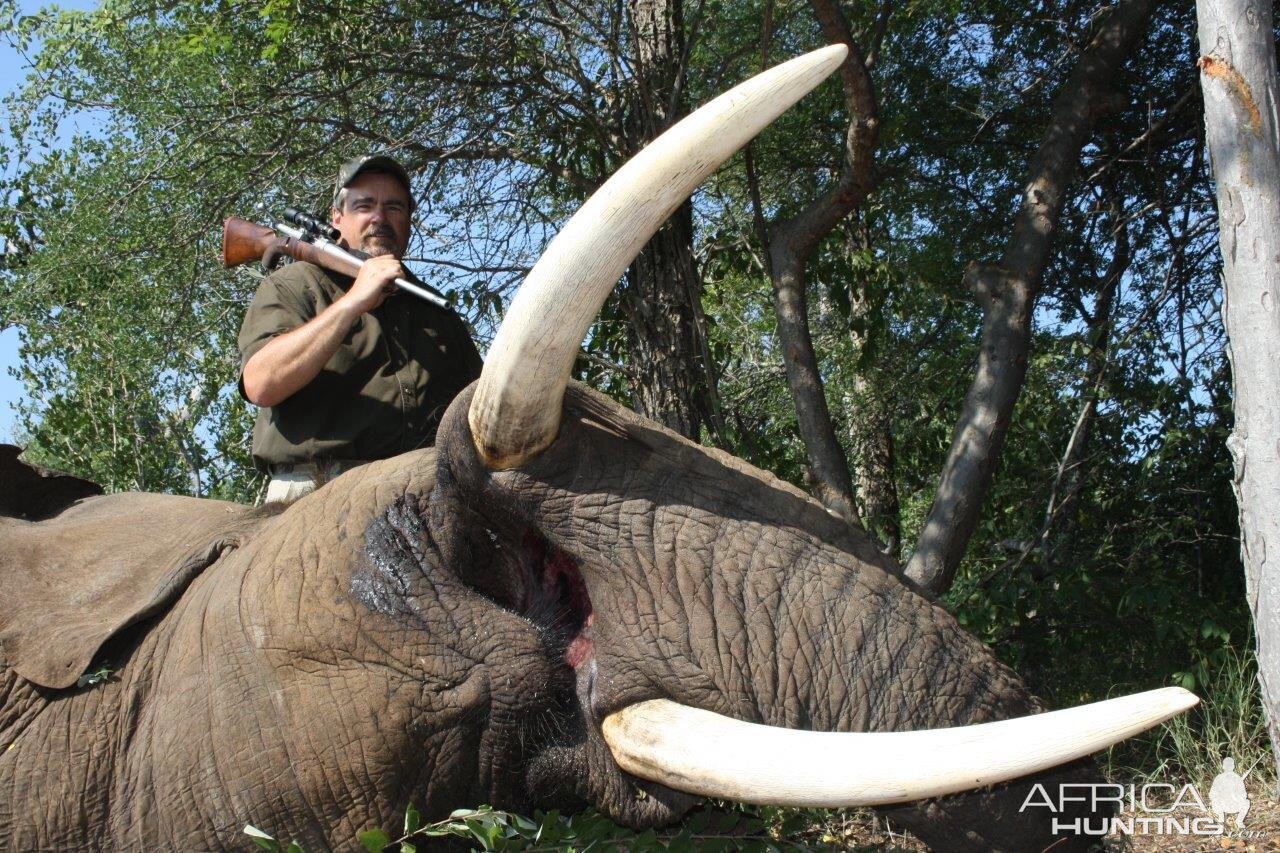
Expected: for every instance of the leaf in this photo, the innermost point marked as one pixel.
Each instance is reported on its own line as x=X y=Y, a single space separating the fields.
x=412 y=820
x=551 y=829
x=260 y=838
x=477 y=827
x=698 y=823
x=96 y=676
x=682 y=843
x=792 y=824
x=373 y=840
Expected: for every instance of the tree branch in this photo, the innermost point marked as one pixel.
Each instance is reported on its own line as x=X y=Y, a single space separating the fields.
x=1069 y=478
x=789 y=242
x=1007 y=292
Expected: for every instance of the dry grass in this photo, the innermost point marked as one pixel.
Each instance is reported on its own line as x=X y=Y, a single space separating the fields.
x=864 y=830
x=858 y=829
x=1261 y=830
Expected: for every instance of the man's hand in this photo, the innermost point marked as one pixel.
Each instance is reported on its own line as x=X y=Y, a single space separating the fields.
x=288 y=362
x=374 y=283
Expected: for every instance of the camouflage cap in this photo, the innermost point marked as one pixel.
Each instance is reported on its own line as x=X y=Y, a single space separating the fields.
x=371 y=162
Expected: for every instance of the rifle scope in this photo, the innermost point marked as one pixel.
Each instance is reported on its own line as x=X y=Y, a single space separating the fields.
x=316 y=226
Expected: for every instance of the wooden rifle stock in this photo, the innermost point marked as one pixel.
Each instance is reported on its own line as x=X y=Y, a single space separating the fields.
x=244 y=241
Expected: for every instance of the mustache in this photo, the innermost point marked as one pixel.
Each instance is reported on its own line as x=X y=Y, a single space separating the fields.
x=378 y=240
x=378 y=231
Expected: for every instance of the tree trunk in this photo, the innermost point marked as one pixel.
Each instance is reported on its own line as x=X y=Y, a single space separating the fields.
x=1007 y=294
x=828 y=467
x=669 y=372
x=870 y=426
x=871 y=433
x=1238 y=76
x=789 y=243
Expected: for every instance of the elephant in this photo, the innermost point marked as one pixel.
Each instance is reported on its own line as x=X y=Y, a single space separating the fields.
x=519 y=616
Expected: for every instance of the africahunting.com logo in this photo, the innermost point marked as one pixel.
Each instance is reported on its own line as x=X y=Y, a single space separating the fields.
x=1153 y=808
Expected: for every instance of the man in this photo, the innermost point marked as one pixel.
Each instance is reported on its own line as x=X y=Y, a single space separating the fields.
x=346 y=370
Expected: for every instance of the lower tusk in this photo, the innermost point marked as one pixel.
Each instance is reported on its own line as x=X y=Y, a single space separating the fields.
x=704 y=753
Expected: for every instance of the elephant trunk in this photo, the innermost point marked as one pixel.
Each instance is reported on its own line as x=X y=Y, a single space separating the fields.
x=825 y=683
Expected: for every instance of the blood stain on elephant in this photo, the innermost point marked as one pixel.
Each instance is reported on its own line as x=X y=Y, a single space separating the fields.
x=551 y=592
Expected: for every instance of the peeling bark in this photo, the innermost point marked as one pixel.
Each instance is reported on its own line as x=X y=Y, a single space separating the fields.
x=1007 y=292
x=1238 y=76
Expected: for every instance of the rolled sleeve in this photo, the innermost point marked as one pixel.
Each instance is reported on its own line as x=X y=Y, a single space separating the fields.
x=280 y=305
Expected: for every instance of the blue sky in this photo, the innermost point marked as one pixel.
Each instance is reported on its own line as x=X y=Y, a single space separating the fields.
x=10 y=390
x=12 y=70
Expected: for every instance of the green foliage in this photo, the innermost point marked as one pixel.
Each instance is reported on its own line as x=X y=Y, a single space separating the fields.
x=1228 y=723
x=504 y=831
x=97 y=675
x=268 y=842
x=508 y=115
x=708 y=829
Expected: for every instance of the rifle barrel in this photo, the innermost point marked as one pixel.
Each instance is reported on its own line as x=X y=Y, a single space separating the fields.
x=337 y=251
x=244 y=241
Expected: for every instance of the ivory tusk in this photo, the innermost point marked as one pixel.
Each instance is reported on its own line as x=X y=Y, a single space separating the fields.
x=515 y=412
x=704 y=753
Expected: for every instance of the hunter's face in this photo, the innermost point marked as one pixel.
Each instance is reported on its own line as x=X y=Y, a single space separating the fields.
x=374 y=216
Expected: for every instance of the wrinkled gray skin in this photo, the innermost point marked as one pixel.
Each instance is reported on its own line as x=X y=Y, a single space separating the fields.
x=400 y=636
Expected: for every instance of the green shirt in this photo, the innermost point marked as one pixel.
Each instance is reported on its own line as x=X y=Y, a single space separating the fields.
x=381 y=393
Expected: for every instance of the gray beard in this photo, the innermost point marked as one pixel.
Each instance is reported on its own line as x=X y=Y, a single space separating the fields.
x=377 y=246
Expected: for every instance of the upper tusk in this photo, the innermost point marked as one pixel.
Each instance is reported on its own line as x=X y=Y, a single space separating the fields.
x=515 y=412
x=704 y=753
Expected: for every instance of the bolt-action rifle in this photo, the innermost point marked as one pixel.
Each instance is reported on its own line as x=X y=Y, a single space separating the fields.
x=303 y=238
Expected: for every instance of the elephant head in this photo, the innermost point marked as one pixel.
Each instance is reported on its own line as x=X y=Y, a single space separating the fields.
x=562 y=603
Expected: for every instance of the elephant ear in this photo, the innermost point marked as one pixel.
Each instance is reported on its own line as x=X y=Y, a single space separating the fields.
x=71 y=582
x=33 y=492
